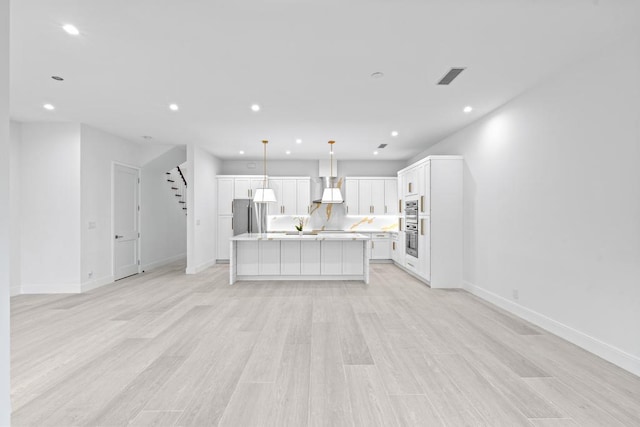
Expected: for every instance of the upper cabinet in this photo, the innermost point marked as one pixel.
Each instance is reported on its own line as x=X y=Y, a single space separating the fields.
x=293 y=196
x=391 y=204
x=371 y=196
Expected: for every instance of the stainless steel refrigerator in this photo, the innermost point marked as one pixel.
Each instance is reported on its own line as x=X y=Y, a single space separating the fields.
x=245 y=217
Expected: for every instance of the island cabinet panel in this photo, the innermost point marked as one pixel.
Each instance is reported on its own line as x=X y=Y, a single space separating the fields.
x=248 y=256
x=269 y=258
x=353 y=255
x=290 y=258
x=331 y=258
x=310 y=257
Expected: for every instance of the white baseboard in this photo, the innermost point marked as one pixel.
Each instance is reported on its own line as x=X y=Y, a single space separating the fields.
x=163 y=262
x=606 y=351
x=51 y=288
x=96 y=283
x=201 y=267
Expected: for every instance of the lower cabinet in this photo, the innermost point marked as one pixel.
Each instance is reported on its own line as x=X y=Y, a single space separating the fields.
x=380 y=246
x=331 y=262
x=310 y=258
x=398 y=248
x=353 y=256
x=258 y=258
x=300 y=258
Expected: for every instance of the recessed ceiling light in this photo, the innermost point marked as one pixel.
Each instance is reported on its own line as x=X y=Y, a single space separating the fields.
x=377 y=75
x=394 y=133
x=287 y=152
x=298 y=141
x=147 y=137
x=48 y=107
x=241 y=152
x=255 y=107
x=70 y=29
x=468 y=109
x=174 y=107
x=58 y=78
x=375 y=153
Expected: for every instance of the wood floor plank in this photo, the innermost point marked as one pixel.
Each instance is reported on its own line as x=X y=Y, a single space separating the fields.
x=190 y=350
x=415 y=411
x=370 y=404
x=354 y=347
x=328 y=394
x=156 y=418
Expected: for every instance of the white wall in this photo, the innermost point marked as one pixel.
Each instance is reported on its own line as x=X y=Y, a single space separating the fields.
x=202 y=168
x=310 y=167
x=552 y=204
x=14 y=201
x=99 y=150
x=5 y=399
x=370 y=167
x=164 y=224
x=50 y=207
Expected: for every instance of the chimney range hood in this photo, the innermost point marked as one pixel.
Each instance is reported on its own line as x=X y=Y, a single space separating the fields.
x=326 y=188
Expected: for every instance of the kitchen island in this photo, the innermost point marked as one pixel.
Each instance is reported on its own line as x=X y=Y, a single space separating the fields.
x=282 y=256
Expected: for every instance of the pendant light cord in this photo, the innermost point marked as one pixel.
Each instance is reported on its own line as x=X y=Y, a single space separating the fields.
x=264 y=181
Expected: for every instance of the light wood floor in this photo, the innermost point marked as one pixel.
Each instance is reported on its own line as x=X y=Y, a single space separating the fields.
x=167 y=349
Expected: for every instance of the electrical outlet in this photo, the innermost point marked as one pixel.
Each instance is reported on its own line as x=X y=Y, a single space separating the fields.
x=516 y=294
x=90 y=274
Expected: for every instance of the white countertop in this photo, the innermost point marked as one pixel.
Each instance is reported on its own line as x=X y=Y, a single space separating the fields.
x=284 y=236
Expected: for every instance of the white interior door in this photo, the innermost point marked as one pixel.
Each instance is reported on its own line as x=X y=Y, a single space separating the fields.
x=125 y=221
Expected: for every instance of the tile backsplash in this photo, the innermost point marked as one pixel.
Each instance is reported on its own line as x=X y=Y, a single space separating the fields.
x=333 y=217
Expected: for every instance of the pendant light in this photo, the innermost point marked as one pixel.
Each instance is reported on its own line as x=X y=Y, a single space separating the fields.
x=264 y=194
x=331 y=194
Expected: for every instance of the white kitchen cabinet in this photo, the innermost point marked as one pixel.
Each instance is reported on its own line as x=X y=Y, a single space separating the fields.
x=440 y=238
x=424 y=248
x=287 y=191
x=398 y=248
x=410 y=182
x=242 y=188
x=290 y=257
x=225 y=196
x=424 y=207
x=249 y=253
x=225 y=232
x=310 y=258
x=269 y=258
x=380 y=246
x=351 y=196
x=303 y=196
x=353 y=254
x=371 y=197
x=391 y=196
x=331 y=258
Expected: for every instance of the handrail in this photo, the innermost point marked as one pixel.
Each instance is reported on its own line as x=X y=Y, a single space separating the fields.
x=182 y=176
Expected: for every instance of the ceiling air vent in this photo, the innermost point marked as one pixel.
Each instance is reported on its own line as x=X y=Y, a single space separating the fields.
x=382 y=145
x=450 y=76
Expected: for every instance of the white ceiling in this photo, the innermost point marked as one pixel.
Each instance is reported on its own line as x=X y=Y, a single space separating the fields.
x=306 y=62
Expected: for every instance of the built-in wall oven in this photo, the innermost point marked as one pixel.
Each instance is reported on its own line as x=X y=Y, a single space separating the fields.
x=411 y=227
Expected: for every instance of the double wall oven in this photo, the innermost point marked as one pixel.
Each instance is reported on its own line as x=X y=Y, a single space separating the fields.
x=411 y=227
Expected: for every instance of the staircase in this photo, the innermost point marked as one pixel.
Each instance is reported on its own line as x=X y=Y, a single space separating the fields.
x=178 y=184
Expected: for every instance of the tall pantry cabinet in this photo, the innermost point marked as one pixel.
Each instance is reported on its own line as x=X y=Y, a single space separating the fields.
x=435 y=183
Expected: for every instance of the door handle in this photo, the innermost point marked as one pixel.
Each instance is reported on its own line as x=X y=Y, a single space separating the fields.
x=385 y=208
x=400 y=205
x=422 y=227
x=119 y=237
x=421 y=203
x=394 y=245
